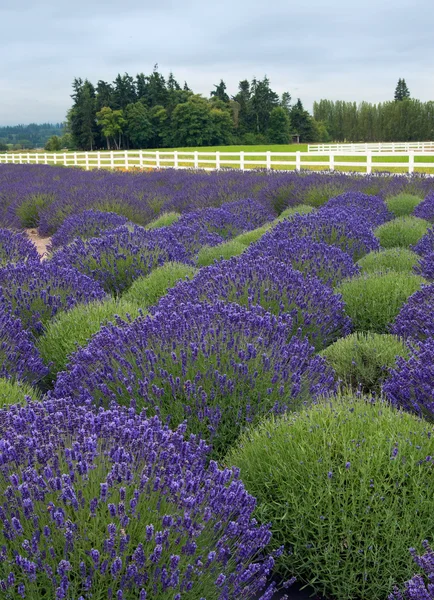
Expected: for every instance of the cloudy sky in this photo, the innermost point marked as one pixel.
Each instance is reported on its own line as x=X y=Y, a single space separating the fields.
x=336 y=49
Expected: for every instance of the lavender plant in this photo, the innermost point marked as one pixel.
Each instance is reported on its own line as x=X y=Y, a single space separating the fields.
x=425 y=209
x=207 y=255
x=372 y=209
x=85 y=225
x=14 y=392
x=400 y=260
x=315 y=311
x=419 y=587
x=410 y=385
x=217 y=221
x=115 y=505
x=218 y=366
x=347 y=485
x=426 y=244
x=403 y=204
x=401 y=232
x=116 y=259
x=19 y=358
x=415 y=319
x=35 y=292
x=425 y=267
x=16 y=247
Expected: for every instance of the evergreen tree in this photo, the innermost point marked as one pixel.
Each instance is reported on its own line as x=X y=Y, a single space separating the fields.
x=138 y=125
x=82 y=116
x=124 y=92
x=401 y=91
x=263 y=100
x=220 y=92
x=302 y=123
x=279 y=127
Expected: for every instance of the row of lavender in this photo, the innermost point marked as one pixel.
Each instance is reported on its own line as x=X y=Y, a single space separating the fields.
x=219 y=351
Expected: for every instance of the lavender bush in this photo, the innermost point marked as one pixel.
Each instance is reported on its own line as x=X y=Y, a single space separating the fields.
x=315 y=311
x=415 y=320
x=426 y=244
x=16 y=247
x=19 y=358
x=425 y=267
x=411 y=384
x=88 y=224
x=35 y=292
x=115 y=505
x=219 y=366
x=417 y=588
x=425 y=210
x=217 y=221
x=373 y=209
x=116 y=259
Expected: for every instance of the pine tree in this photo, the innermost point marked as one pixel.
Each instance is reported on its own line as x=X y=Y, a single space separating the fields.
x=401 y=91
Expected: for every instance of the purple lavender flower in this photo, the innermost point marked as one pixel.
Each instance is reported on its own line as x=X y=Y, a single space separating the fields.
x=425 y=245
x=425 y=210
x=210 y=509
x=417 y=588
x=35 y=292
x=372 y=209
x=410 y=384
x=218 y=366
x=415 y=319
x=16 y=247
x=88 y=224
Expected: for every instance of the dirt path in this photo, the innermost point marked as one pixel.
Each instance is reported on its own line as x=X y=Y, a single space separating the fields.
x=40 y=242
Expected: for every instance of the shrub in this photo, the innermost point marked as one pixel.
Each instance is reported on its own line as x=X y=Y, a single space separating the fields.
x=417 y=588
x=119 y=506
x=328 y=263
x=292 y=211
x=116 y=259
x=12 y=392
x=16 y=247
x=361 y=360
x=28 y=211
x=19 y=358
x=253 y=212
x=35 y=292
x=73 y=329
x=192 y=238
x=251 y=236
x=402 y=232
x=425 y=210
x=415 y=319
x=319 y=193
x=218 y=366
x=348 y=487
x=338 y=228
x=85 y=225
x=315 y=311
x=216 y=221
x=403 y=204
x=373 y=301
x=147 y=291
x=163 y=220
x=425 y=267
x=425 y=245
x=207 y=255
x=401 y=260
x=372 y=209
x=410 y=385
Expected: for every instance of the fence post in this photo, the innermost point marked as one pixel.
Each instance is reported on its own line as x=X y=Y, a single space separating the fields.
x=127 y=166
x=369 y=162
x=393 y=146
x=242 y=161
x=411 y=161
x=332 y=162
x=157 y=159
x=297 y=160
x=196 y=160
x=64 y=159
x=36 y=158
x=86 y=155
x=28 y=158
x=175 y=160
x=217 y=160
x=75 y=159
x=112 y=160
x=99 y=160
x=55 y=158
x=45 y=159
x=269 y=160
x=20 y=158
x=141 y=159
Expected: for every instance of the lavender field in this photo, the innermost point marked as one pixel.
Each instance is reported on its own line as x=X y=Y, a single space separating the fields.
x=216 y=385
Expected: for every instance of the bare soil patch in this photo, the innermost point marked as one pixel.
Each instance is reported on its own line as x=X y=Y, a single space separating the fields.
x=41 y=243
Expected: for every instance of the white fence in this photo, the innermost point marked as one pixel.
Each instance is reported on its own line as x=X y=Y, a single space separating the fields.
x=364 y=162
x=374 y=147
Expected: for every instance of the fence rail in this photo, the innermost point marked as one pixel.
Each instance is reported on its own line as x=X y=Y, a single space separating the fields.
x=364 y=162
x=374 y=147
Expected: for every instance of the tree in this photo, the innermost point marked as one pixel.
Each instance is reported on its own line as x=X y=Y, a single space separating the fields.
x=112 y=123
x=138 y=124
x=191 y=123
x=3 y=147
x=263 y=100
x=302 y=122
x=285 y=102
x=279 y=126
x=401 y=91
x=220 y=92
x=54 y=144
x=82 y=116
x=124 y=92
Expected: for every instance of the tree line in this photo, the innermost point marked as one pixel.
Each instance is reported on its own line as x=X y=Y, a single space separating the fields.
x=17 y=137
x=151 y=111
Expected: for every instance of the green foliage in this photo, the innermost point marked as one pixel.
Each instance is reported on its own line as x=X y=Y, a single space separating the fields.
x=317 y=195
x=251 y=236
x=401 y=260
x=361 y=360
x=401 y=232
x=28 y=211
x=138 y=124
x=300 y=209
x=373 y=301
x=208 y=254
x=347 y=488
x=302 y=123
x=54 y=144
x=279 y=126
x=198 y=122
x=401 y=91
x=403 y=204
x=146 y=291
x=112 y=123
x=164 y=220
x=74 y=328
x=15 y=392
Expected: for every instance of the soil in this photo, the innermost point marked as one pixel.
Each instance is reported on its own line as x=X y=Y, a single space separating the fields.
x=40 y=242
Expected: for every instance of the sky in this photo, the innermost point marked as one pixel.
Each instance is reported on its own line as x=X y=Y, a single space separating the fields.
x=334 y=49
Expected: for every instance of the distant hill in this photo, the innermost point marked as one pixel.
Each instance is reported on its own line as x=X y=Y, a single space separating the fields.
x=17 y=137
